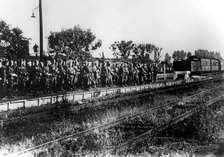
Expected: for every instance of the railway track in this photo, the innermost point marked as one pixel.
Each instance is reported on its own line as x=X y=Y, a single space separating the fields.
x=121 y=120
x=152 y=131
x=124 y=97
x=41 y=114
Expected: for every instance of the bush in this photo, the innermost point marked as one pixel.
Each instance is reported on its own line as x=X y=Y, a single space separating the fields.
x=204 y=126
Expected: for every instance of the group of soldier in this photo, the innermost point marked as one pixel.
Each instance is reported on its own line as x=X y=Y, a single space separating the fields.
x=20 y=77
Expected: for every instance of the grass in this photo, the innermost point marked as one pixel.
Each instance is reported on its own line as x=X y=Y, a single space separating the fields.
x=69 y=122
x=50 y=130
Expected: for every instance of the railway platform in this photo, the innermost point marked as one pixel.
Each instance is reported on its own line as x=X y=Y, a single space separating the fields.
x=91 y=94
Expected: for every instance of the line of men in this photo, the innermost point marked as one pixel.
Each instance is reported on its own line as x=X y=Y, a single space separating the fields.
x=18 y=78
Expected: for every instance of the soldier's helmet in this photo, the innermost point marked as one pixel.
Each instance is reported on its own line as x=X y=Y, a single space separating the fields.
x=19 y=63
x=75 y=63
x=10 y=62
x=5 y=62
x=49 y=63
x=36 y=62
x=69 y=64
x=15 y=62
x=41 y=64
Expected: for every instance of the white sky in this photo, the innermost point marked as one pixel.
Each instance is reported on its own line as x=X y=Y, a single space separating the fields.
x=170 y=24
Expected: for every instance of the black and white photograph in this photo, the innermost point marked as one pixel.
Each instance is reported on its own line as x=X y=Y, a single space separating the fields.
x=111 y=78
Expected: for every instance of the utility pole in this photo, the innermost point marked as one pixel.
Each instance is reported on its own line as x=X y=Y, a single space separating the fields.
x=41 y=29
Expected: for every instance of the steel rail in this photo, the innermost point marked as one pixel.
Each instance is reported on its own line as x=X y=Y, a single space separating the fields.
x=43 y=113
x=152 y=132
x=103 y=127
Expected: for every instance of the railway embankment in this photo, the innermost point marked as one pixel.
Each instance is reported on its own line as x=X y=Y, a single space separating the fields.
x=98 y=128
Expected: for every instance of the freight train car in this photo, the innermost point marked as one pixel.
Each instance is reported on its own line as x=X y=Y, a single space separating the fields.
x=221 y=65
x=198 y=66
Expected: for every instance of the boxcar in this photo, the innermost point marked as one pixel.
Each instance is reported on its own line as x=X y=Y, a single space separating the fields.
x=221 y=65
x=214 y=65
x=205 y=65
x=197 y=65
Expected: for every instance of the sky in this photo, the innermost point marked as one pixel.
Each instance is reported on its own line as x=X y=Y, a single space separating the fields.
x=169 y=24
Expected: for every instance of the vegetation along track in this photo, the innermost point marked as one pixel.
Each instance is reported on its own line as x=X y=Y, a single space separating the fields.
x=12 y=116
x=151 y=132
x=113 y=123
x=20 y=128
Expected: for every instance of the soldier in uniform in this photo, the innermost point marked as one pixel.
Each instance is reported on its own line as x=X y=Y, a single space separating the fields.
x=103 y=74
x=140 y=74
x=115 y=76
x=130 y=74
x=30 y=72
x=65 y=85
x=135 y=73
x=15 y=78
x=120 y=74
x=45 y=78
x=84 y=75
x=2 y=80
x=76 y=74
x=37 y=78
x=155 y=71
x=53 y=69
x=70 y=75
x=144 y=67
x=109 y=75
x=10 y=73
x=94 y=74
x=60 y=77
x=125 y=75
x=149 y=73
x=22 y=78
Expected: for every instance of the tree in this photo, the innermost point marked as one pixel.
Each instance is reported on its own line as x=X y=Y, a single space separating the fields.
x=122 y=49
x=13 y=43
x=217 y=55
x=157 y=52
x=179 y=55
x=147 y=53
x=189 y=54
x=207 y=54
x=73 y=43
x=167 y=58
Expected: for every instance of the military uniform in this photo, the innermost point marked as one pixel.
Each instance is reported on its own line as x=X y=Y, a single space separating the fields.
x=10 y=74
x=94 y=75
x=37 y=80
x=2 y=81
x=53 y=78
x=125 y=75
x=155 y=71
x=130 y=75
x=31 y=77
x=76 y=75
x=115 y=75
x=65 y=77
x=22 y=79
x=60 y=77
x=46 y=79
x=109 y=75
x=140 y=74
x=70 y=75
x=103 y=75
x=84 y=74
x=120 y=74
x=149 y=74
